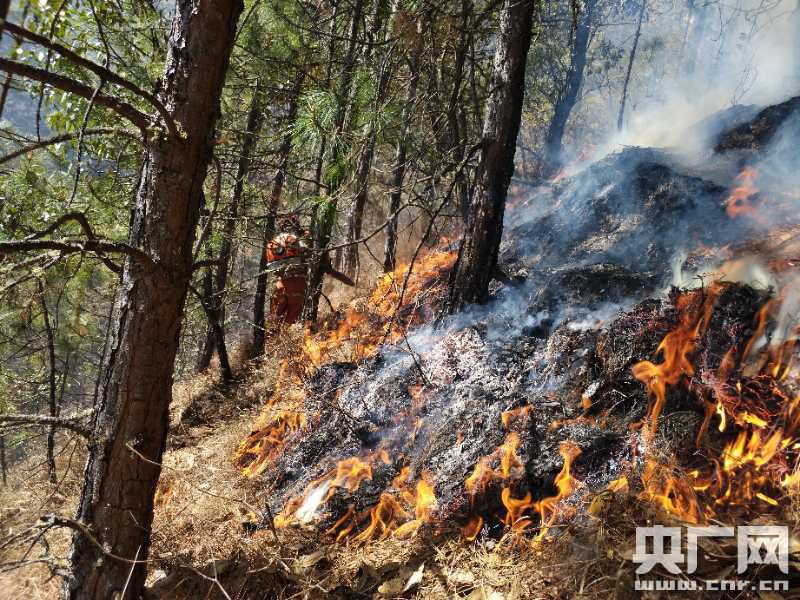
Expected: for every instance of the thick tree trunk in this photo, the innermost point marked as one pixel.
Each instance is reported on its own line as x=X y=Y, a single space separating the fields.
x=631 y=59
x=554 y=138
x=215 y=308
x=477 y=258
x=131 y=418
x=284 y=151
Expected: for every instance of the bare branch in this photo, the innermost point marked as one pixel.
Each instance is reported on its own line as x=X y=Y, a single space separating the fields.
x=73 y=86
x=99 y=70
x=78 y=217
x=101 y=246
x=71 y=423
x=63 y=138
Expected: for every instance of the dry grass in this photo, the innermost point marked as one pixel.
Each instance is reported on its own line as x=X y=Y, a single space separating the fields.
x=27 y=497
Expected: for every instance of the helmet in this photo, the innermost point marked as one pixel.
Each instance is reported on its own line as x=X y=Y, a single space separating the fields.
x=285 y=245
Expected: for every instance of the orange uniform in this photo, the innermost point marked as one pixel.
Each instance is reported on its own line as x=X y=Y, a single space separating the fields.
x=290 y=290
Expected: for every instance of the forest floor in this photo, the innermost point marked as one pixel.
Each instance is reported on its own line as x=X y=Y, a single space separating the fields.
x=205 y=544
x=209 y=542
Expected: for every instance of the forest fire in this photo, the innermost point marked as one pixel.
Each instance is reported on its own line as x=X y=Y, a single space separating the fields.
x=752 y=400
x=421 y=443
x=598 y=331
x=399 y=301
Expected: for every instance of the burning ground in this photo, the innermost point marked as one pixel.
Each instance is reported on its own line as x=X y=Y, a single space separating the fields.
x=637 y=364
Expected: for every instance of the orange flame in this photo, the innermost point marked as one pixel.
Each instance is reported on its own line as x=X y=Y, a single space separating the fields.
x=755 y=457
x=357 y=334
x=740 y=201
x=565 y=483
x=675 y=349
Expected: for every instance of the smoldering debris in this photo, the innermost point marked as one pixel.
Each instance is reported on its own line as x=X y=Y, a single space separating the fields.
x=508 y=414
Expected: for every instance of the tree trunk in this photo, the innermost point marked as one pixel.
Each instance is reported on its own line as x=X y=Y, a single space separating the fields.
x=284 y=151
x=454 y=111
x=355 y=218
x=632 y=58
x=401 y=157
x=215 y=309
x=477 y=258
x=52 y=401
x=697 y=26
x=207 y=351
x=563 y=108
x=325 y=211
x=215 y=334
x=131 y=418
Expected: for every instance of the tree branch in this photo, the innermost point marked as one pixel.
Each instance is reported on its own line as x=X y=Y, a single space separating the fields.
x=73 y=86
x=99 y=70
x=78 y=217
x=63 y=138
x=102 y=246
x=70 y=423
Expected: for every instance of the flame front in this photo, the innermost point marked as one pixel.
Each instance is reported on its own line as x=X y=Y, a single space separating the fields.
x=754 y=411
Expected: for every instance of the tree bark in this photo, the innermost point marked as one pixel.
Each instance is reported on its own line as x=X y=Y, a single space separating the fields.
x=131 y=418
x=554 y=138
x=284 y=151
x=624 y=99
x=477 y=259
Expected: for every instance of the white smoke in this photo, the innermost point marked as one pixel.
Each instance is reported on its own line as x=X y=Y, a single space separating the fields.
x=747 y=54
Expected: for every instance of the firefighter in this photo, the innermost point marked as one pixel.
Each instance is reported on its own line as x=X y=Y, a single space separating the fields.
x=287 y=255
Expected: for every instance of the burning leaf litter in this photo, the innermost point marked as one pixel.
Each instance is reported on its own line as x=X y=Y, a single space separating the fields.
x=575 y=391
